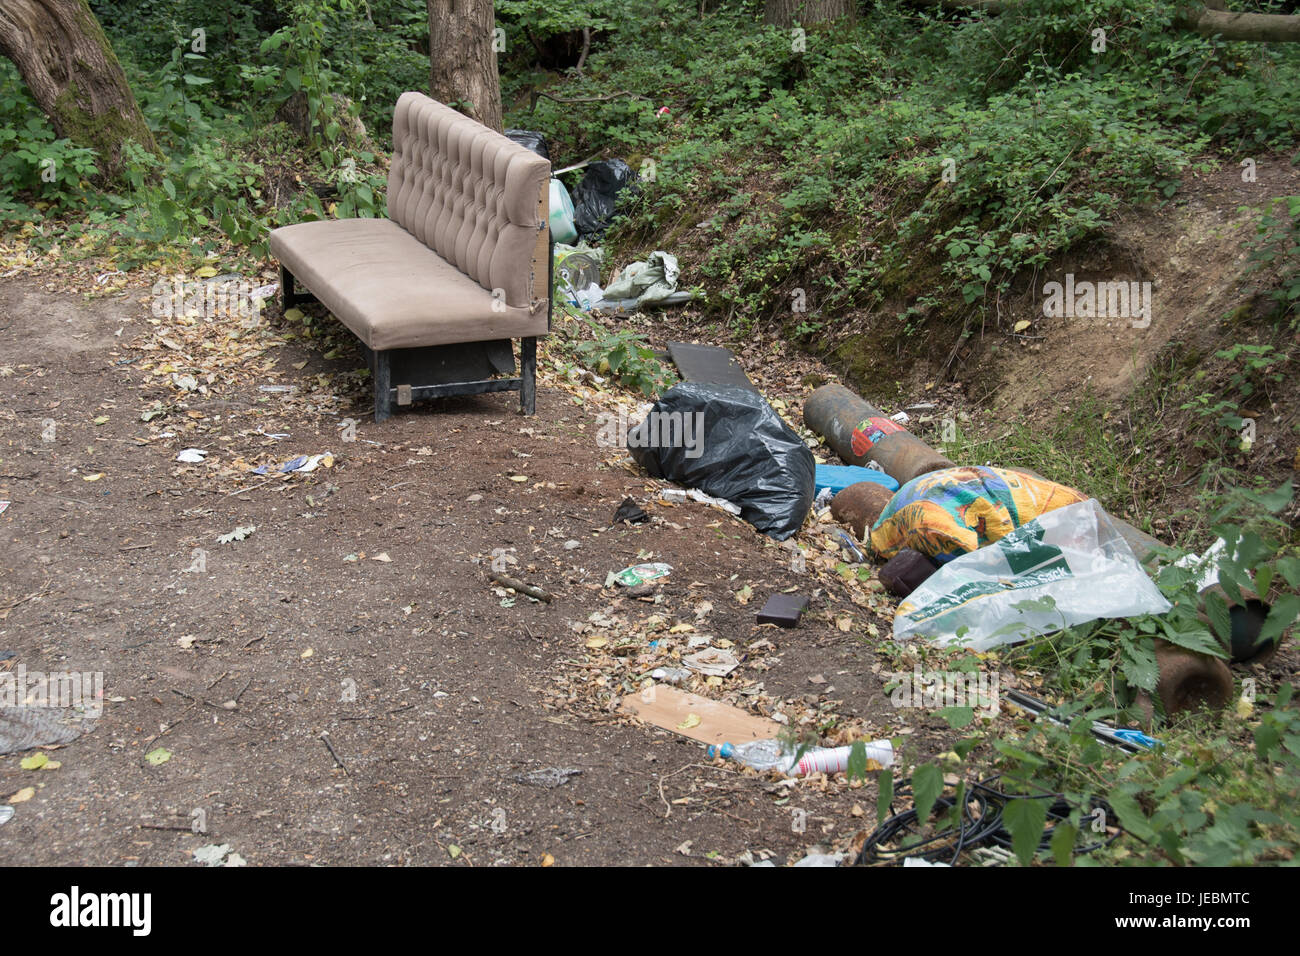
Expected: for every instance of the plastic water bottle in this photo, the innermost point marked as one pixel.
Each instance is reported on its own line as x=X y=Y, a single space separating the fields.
x=765 y=755
x=762 y=755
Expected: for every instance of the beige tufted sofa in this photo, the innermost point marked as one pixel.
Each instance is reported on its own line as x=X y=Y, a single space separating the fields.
x=461 y=267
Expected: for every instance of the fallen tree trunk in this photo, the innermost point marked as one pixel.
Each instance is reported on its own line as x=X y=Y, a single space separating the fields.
x=1252 y=27
x=1208 y=21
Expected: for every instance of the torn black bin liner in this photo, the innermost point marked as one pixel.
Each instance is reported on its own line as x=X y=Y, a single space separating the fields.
x=530 y=140
x=598 y=194
x=727 y=441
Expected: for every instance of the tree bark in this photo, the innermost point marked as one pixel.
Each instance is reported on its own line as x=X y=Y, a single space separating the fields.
x=463 y=58
x=1208 y=20
x=1257 y=27
x=74 y=76
x=789 y=13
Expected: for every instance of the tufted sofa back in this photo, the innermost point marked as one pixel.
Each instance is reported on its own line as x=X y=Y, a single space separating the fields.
x=472 y=196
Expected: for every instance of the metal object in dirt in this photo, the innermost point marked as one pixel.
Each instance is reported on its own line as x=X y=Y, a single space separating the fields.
x=859 y=432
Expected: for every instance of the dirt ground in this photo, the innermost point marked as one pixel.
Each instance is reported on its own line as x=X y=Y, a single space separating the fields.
x=344 y=685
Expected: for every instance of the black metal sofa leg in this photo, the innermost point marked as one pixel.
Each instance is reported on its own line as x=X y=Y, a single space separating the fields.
x=528 y=376
x=287 y=298
x=383 y=385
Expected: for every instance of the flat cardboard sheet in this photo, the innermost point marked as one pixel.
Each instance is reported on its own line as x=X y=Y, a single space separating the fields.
x=696 y=717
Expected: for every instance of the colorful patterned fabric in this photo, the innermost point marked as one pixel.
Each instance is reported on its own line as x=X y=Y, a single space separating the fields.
x=957 y=510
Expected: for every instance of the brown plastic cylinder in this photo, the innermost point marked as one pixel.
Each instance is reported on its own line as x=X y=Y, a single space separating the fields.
x=859 y=505
x=834 y=412
x=1189 y=681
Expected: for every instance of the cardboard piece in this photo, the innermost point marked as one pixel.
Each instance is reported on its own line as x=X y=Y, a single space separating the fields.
x=696 y=717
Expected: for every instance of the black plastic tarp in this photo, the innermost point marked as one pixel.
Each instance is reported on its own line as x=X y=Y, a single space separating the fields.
x=728 y=442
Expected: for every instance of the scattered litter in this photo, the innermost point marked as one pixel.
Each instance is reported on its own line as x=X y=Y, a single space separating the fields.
x=6 y=814
x=772 y=754
x=4 y=506
x=917 y=861
x=783 y=610
x=639 y=574
x=955 y=511
x=22 y=728
x=728 y=442
x=551 y=777
x=822 y=859
x=645 y=283
x=839 y=477
x=561 y=215
x=530 y=140
x=712 y=662
x=596 y=197
x=381 y=556
x=906 y=571
x=698 y=718
x=850 y=549
x=1066 y=567
x=239 y=534
x=1130 y=739
x=632 y=513
x=218 y=854
x=571 y=544
x=276 y=388
x=696 y=495
x=192 y=456
x=671 y=675
x=708 y=363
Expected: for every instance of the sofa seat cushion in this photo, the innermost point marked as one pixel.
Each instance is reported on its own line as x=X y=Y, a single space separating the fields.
x=392 y=290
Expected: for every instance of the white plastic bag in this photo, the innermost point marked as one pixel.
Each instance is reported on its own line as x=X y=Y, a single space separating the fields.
x=1072 y=555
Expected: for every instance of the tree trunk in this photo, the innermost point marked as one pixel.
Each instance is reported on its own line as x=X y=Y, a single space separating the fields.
x=74 y=76
x=463 y=58
x=789 y=13
x=1208 y=20
x=1258 y=27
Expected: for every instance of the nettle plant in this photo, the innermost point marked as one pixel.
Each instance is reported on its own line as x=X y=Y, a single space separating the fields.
x=1200 y=798
x=1275 y=252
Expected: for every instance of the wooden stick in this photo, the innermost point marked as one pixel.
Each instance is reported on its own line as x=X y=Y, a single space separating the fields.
x=338 y=760
x=516 y=585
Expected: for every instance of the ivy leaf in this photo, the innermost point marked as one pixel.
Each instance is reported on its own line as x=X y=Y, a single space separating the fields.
x=1024 y=821
x=927 y=784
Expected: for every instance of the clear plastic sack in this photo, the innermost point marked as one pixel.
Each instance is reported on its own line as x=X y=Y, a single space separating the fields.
x=1066 y=567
